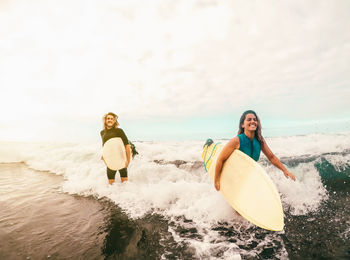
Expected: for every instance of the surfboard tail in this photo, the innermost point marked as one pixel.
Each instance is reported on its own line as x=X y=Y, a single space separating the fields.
x=208 y=142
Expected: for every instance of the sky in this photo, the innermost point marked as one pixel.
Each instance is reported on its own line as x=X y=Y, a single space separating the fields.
x=172 y=69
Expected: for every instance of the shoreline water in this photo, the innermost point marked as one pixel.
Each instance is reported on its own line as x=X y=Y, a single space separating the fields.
x=40 y=221
x=43 y=222
x=169 y=207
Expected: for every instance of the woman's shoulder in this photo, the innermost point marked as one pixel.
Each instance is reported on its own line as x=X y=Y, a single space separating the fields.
x=241 y=137
x=236 y=138
x=234 y=142
x=119 y=129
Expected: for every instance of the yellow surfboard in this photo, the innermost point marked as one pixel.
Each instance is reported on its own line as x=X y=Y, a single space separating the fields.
x=246 y=187
x=113 y=154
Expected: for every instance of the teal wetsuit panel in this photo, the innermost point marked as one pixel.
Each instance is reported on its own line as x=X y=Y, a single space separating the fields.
x=250 y=148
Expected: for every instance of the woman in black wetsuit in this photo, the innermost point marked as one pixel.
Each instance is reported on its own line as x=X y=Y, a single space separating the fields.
x=111 y=130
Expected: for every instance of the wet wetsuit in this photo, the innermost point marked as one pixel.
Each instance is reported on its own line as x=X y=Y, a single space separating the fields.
x=250 y=148
x=107 y=134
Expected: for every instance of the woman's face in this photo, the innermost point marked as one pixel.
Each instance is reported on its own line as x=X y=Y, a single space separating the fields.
x=250 y=122
x=110 y=120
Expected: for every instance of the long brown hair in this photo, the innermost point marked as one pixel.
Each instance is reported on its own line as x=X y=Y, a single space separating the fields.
x=258 y=128
x=116 y=124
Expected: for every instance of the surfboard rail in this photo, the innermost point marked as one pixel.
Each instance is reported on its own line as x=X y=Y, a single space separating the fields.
x=247 y=188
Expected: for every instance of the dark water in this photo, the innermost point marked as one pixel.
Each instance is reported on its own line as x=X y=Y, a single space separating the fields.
x=324 y=234
x=38 y=221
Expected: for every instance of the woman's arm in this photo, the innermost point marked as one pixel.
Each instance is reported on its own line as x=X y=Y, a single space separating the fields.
x=127 y=150
x=275 y=161
x=225 y=153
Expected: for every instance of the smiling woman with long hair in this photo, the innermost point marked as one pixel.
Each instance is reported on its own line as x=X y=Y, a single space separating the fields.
x=251 y=142
x=111 y=130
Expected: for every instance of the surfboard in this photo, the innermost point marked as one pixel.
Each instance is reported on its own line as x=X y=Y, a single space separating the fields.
x=113 y=154
x=246 y=187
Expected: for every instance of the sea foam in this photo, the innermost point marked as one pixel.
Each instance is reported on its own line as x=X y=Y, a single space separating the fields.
x=182 y=192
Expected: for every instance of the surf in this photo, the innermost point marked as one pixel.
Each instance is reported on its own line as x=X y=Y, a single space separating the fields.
x=168 y=179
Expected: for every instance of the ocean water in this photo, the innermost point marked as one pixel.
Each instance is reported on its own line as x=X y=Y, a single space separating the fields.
x=56 y=203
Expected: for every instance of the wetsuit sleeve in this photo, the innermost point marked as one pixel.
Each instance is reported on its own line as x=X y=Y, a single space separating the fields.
x=102 y=133
x=123 y=137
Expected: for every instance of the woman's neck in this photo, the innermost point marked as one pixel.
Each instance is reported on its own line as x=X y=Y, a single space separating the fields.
x=249 y=134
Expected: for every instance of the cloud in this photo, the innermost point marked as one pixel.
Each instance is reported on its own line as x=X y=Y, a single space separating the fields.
x=174 y=58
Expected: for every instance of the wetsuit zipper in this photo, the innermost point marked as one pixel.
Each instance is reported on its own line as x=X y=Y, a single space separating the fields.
x=251 y=149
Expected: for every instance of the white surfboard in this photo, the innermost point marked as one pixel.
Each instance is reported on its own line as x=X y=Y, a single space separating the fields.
x=247 y=188
x=113 y=153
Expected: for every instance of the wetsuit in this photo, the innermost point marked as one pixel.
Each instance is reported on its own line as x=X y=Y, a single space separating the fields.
x=107 y=134
x=250 y=148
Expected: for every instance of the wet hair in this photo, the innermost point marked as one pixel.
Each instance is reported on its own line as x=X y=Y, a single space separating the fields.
x=116 y=124
x=258 y=128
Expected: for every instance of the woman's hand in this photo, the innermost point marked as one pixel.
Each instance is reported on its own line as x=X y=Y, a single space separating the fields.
x=288 y=174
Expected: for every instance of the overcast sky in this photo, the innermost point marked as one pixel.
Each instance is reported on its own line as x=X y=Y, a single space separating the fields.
x=178 y=69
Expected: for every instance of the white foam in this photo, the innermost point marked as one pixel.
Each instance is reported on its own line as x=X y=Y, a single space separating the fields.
x=313 y=144
x=340 y=163
x=10 y=152
x=305 y=194
x=179 y=192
